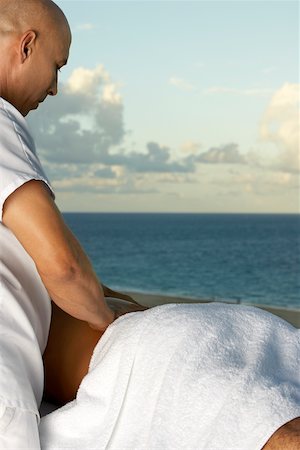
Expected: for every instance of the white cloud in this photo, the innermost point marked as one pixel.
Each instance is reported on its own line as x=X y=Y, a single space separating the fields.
x=85 y=183
x=173 y=178
x=181 y=84
x=284 y=179
x=259 y=182
x=83 y=122
x=190 y=147
x=280 y=125
x=87 y=81
x=111 y=94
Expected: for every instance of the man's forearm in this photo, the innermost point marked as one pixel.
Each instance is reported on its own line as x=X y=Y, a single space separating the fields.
x=76 y=289
x=33 y=217
x=82 y=298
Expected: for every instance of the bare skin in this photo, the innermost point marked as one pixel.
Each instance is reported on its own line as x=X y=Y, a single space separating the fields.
x=286 y=437
x=70 y=346
x=69 y=350
x=34 y=42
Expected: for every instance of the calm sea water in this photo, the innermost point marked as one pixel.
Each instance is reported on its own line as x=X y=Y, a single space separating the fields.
x=245 y=258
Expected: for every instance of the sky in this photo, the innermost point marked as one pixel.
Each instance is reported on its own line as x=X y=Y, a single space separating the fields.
x=176 y=106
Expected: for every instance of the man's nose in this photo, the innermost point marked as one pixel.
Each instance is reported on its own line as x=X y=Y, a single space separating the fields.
x=53 y=89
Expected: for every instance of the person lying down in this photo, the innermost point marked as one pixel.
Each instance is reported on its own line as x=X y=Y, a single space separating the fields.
x=177 y=376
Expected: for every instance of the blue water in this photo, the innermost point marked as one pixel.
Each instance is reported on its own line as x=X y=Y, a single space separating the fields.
x=239 y=257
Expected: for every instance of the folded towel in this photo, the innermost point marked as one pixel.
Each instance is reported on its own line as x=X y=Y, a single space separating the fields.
x=184 y=376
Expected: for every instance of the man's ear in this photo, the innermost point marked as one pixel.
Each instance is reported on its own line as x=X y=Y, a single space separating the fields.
x=27 y=44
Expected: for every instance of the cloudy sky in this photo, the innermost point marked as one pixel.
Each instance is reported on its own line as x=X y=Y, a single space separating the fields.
x=176 y=107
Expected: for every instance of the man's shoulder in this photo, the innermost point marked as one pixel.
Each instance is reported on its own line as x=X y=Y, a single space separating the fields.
x=10 y=116
x=14 y=128
x=9 y=110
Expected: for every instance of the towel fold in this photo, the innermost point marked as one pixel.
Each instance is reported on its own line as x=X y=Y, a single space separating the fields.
x=184 y=376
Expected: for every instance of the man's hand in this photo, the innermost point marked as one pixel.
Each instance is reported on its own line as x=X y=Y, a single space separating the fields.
x=121 y=307
x=114 y=294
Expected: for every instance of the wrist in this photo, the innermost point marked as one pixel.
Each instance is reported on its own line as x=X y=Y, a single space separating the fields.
x=103 y=319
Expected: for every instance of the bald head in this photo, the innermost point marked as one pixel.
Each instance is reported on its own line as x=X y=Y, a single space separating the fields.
x=34 y=42
x=18 y=15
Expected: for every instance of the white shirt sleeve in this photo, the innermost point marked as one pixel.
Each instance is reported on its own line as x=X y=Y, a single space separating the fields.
x=19 y=162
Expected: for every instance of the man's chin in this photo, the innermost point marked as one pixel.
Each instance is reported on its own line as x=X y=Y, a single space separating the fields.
x=34 y=107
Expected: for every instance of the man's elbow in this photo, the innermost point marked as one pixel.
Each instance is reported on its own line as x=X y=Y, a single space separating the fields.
x=66 y=277
x=60 y=271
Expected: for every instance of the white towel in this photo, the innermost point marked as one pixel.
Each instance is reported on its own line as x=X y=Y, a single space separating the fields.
x=184 y=376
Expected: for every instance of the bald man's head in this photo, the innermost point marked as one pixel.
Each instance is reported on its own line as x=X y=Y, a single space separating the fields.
x=34 y=42
x=19 y=15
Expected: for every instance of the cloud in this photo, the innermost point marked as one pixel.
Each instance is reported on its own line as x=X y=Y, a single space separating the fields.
x=102 y=187
x=83 y=122
x=226 y=154
x=280 y=125
x=57 y=171
x=111 y=94
x=181 y=84
x=190 y=147
x=79 y=136
x=261 y=183
x=86 y=81
x=157 y=159
x=247 y=92
x=87 y=184
x=174 y=178
x=105 y=172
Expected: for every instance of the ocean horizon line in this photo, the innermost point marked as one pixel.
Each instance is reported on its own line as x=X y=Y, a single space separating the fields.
x=188 y=213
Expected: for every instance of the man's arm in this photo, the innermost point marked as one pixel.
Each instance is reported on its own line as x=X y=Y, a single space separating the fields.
x=31 y=214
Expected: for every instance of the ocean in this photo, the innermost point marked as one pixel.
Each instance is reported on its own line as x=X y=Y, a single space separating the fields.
x=244 y=258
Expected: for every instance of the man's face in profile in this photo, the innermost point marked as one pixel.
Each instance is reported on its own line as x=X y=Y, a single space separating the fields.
x=40 y=72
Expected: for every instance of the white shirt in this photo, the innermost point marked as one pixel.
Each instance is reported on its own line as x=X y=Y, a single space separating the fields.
x=25 y=306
